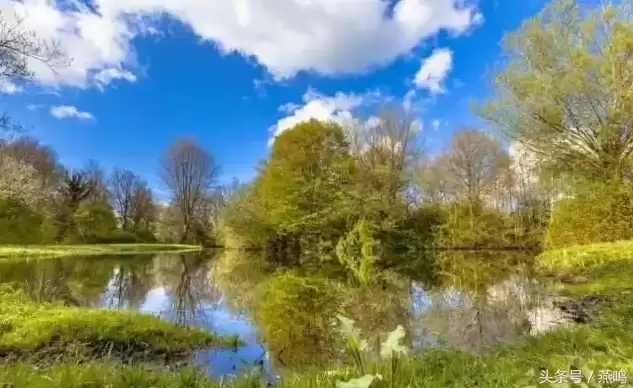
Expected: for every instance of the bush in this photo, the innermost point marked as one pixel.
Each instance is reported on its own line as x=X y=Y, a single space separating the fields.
x=418 y=230
x=597 y=212
x=471 y=225
x=19 y=224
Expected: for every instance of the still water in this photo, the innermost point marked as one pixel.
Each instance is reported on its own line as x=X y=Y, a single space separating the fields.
x=494 y=298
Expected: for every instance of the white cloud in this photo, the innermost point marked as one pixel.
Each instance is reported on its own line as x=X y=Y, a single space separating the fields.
x=337 y=108
x=106 y=76
x=33 y=106
x=68 y=112
x=434 y=70
x=8 y=87
x=285 y=36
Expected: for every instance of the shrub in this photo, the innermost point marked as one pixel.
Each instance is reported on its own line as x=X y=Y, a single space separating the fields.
x=597 y=212
x=19 y=224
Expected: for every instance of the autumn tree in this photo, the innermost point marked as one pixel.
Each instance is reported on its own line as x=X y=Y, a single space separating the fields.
x=188 y=171
x=565 y=90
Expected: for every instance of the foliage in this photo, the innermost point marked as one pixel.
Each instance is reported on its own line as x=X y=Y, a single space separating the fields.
x=564 y=90
x=94 y=218
x=419 y=230
x=310 y=303
x=470 y=224
x=301 y=183
x=18 y=180
x=358 y=251
x=596 y=212
x=19 y=224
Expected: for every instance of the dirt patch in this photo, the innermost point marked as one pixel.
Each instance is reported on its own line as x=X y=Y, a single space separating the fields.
x=583 y=310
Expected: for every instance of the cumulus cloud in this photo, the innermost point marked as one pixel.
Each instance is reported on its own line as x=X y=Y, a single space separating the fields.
x=284 y=36
x=69 y=112
x=337 y=108
x=434 y=70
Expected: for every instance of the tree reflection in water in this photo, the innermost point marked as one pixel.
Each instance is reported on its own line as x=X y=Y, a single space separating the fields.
x=192 y=296
x=458 y=299
x=131 y=280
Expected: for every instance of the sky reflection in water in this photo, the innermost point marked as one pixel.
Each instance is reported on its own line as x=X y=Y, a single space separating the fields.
x=190 y=289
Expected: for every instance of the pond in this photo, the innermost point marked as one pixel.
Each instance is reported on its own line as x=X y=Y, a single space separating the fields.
x=472 y=300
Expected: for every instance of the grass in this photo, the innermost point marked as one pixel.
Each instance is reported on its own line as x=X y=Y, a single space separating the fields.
x=606 y=343
x=39 y=332
x=585 y=256
x=44 y=251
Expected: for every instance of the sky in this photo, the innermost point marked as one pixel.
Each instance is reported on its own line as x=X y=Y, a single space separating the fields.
x=233 y=74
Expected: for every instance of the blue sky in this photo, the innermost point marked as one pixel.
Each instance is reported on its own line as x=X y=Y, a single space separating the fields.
x=221 y=72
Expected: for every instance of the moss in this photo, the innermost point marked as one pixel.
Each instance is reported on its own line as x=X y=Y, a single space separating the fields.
x=16 y=251
x=31 y=330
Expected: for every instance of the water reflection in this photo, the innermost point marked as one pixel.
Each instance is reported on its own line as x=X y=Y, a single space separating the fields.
x=468 y=301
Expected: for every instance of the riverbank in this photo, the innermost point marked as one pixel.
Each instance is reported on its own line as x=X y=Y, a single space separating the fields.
x=599 y=273
x=47 y=333
x=51 y=251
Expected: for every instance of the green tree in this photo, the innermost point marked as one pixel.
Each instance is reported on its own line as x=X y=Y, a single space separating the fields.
x=95 y=219
x=19 y=223
x=565 y=91
x=304 y=180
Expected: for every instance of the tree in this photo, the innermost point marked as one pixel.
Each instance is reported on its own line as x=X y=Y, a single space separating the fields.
x=95 y=220
x=96 y=176
x=19 y=181
x=74 y=189
x=384 y=148
x=303 y=181
x=565 y=91
x=474 y=161
x=122 y=186
x=142 y=207
x=29 y=151
x=19 y=46
x=433 y=180
x=188 y=171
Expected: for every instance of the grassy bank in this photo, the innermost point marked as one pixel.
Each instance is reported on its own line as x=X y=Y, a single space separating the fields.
x=604 y=343
x=46 y=332
x=17 y=251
